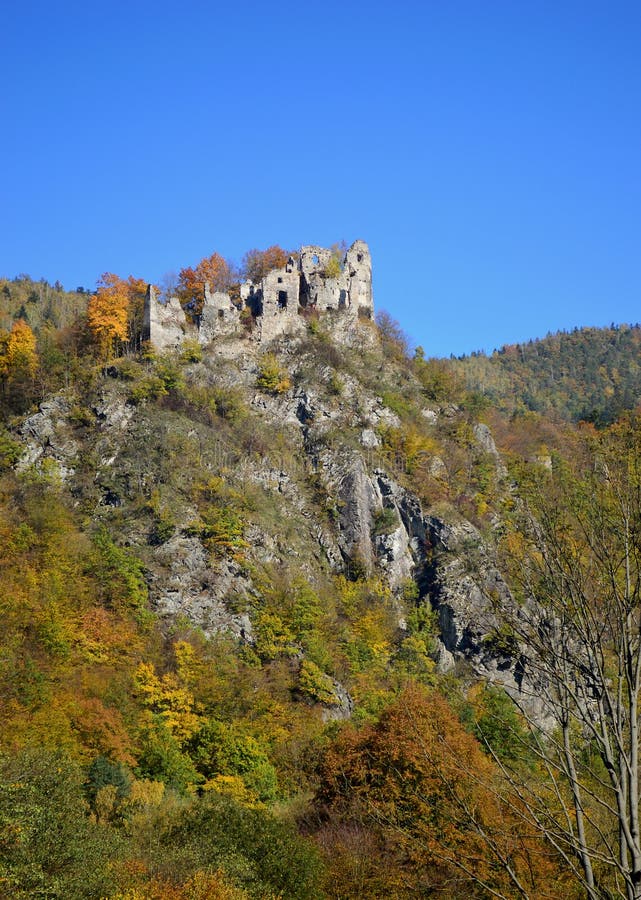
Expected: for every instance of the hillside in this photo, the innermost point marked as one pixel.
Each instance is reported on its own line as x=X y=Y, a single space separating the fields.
x=39 y=303
x=259 y=602
x=590 y=374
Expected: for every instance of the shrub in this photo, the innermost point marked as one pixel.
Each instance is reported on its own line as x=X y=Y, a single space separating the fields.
x=333 y=268
x=49 y=847
x=253 y=848
x=148 y=388
x=191 y=351
x=315 y=684
x=229 y=404
x=10 y=451
x=385 y=521
x=271 y=377
x=223 y=529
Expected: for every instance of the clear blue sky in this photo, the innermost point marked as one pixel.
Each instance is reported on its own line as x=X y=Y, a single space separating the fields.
x=488 y=150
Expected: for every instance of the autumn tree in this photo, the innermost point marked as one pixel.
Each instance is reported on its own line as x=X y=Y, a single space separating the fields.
x=574 y=550
x=257 y=263
x=18 y=364
x=21 y=354
x=108 y=313
x=214 y=270
x=415 y=792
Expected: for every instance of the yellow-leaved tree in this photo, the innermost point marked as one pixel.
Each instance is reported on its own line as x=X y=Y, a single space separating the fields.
x=108 y=313
x=18 y=365
x=21 y=354
x=115 y=313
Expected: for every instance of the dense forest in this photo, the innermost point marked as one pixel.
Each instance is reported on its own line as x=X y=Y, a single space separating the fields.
x=232 y=663
x=589 y=374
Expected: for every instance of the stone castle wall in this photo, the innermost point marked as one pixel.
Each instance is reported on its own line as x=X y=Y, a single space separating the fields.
x=278 y=303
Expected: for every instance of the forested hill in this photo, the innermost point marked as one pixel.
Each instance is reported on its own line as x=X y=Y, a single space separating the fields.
x=39 y=303
x=259 y=632
x=589 y=373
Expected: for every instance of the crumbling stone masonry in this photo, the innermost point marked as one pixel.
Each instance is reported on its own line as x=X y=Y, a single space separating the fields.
x=278 y=303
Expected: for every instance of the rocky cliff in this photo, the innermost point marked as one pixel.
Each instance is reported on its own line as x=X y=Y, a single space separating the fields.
x=220 y=478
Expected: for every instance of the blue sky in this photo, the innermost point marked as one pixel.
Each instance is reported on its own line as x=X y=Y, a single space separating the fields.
x=488 y=150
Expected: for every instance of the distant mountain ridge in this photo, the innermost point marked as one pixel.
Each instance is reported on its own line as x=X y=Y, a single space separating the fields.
x=591 y=374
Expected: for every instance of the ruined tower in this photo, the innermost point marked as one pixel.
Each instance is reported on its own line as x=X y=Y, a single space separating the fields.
x=312 y=281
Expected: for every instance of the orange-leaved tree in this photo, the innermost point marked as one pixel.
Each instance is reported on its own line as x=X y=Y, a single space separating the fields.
x=257 y=263
x=108 y=314
x=412 y=805
x=214 y=269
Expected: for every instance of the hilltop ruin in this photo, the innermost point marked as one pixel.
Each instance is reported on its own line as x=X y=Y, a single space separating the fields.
x=276 y=305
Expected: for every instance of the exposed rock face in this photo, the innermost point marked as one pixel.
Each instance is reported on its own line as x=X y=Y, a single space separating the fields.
x=358 y=514
x=465 y=588
x=485 y=441
x=316 y=282
x=185 y=580
x=47 y=435
x=401 y=551
x=359 y=500
x=462 y=580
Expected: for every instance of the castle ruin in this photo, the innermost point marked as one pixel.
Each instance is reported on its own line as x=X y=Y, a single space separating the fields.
x=275 y=306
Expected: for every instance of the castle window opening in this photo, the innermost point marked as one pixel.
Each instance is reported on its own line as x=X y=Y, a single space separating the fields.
x=282 y=299
x=359 y=257
x=221 y=313
x=342 y=300
x=280 y=280
x=315 y=260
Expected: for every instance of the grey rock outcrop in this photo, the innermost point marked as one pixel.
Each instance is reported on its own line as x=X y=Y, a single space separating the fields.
x=359 y=500
x=183 y=579
x=485 y=441
x=47 y=435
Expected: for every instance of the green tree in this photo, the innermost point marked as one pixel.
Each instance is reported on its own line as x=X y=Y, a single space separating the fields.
x=222 y=749
x=252 y=847
x=48 y=845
